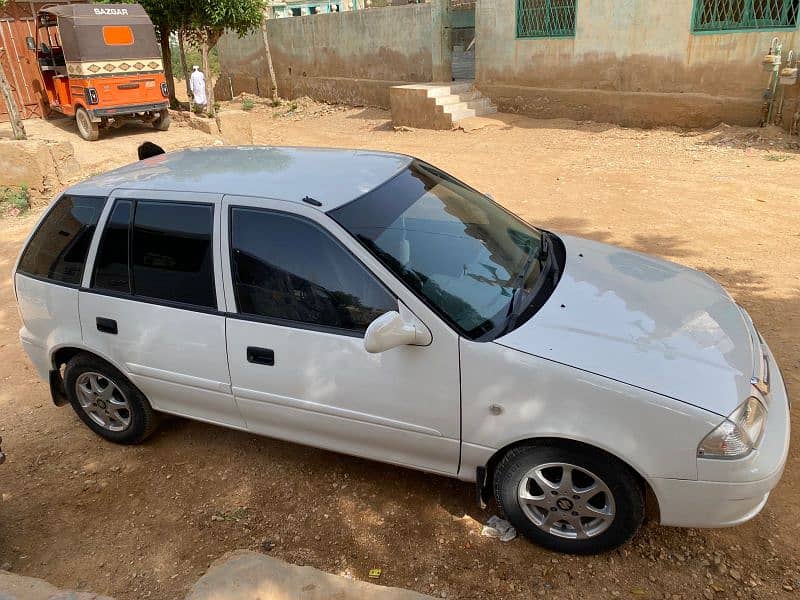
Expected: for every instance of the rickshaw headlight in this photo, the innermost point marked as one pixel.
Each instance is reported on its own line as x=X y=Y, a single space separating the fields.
x=91 y=96
x=164 y=90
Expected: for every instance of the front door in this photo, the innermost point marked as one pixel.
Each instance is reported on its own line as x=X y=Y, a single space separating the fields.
x=153 y=302
x=300 y=296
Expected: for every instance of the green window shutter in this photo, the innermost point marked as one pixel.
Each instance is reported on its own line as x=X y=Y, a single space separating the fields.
x=744 y=15
x=545 y=18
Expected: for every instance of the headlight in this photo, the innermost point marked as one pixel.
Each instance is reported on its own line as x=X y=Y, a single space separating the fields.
x=737 y=435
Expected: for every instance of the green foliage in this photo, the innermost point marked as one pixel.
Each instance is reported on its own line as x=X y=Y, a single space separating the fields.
x=15 y=200
x=193 y=57
x=248 y=104
x=208 y=19
x=215 y=16
x=777 y=157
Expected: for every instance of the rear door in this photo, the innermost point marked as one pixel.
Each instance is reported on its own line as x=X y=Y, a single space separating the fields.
x=153 y=303
x=300 y=294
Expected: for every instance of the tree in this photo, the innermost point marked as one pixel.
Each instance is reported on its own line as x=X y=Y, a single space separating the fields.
x=273 y=80
x=209 y=20
x=17 y=126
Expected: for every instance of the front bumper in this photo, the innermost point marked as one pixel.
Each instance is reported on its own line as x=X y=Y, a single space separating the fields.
x=730 y=492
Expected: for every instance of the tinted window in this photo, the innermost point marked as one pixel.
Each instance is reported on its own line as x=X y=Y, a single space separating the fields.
x=111 y=269
x=59 y=247
x=172 y=253
x=287 y=268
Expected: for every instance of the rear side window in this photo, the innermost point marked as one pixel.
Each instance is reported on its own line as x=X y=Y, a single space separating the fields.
x=171 y=252
x=287 y=268
x=166 y=254
x=58 y=249
x=112 y=265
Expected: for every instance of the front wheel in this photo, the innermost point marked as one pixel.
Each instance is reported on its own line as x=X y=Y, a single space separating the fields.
x=88 y=129
x=569 y=499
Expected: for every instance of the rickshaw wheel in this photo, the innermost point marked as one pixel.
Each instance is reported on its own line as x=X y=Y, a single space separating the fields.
x=89 y=131
x=162 y=121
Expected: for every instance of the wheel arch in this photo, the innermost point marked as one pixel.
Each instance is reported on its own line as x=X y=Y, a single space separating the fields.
x=486 y=486
x=61 y=355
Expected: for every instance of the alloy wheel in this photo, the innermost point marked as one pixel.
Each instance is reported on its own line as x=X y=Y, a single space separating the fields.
x=566 y=500
x=103 y=401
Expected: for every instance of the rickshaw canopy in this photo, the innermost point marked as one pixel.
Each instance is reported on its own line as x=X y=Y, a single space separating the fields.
x=105 y=32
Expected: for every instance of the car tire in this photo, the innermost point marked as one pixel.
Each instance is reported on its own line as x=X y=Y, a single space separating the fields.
x=107 y=402
x=88 y=129
x=162 y=121
x=599 y=507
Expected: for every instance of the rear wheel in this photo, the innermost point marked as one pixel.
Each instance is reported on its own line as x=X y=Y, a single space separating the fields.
x=569 y=499
x=86 y=127
x=162 y=121
x=106 y=401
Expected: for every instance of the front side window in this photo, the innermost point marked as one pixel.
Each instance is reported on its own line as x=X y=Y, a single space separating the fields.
x=726 y=15
x=477 y=265
x=58 y=249
x=288 y=269
x=545 y=18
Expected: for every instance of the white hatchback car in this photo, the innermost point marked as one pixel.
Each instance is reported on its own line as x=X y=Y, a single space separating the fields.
x=371 y=304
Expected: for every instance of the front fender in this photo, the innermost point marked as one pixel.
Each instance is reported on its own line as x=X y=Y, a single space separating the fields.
x=655 y=435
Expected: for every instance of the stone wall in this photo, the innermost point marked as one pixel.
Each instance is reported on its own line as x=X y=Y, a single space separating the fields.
x=634 y=62
x=348 y=57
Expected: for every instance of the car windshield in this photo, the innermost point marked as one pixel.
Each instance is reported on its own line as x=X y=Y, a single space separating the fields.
x=459 y=251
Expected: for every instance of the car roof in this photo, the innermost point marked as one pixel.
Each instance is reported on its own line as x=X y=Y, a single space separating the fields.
x=332 y=177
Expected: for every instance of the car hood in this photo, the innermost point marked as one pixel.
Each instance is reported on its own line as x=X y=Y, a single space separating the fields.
x=646 y=322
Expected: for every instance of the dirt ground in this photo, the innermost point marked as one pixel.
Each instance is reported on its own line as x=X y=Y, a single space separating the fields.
x=146 y=521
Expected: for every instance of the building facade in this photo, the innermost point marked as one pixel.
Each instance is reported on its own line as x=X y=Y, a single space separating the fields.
x=692 y=63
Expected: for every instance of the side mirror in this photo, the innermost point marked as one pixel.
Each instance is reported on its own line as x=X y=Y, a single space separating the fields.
x=396 y=328
x=30 y=43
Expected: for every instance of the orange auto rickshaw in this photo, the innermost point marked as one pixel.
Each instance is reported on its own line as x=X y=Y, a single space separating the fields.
x=101 y=64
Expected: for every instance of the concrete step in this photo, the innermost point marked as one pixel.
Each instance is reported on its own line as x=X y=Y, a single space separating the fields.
x=489 y=110
x=479 y=103
x=461 y=113
x=449 y=99
x=461 y=88
x=437 y=105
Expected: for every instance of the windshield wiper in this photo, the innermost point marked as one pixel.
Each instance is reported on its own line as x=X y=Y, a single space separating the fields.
x=514 y=308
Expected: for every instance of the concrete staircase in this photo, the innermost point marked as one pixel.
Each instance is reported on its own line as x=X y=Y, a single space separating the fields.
x=437 y=105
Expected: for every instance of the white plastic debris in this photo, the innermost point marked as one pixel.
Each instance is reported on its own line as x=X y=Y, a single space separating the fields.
x=499 y=528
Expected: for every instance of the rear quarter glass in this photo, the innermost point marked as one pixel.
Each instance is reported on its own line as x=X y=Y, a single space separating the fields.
x=58 y=248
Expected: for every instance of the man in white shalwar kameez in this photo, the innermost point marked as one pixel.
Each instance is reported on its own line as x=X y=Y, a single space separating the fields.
x=198 y=84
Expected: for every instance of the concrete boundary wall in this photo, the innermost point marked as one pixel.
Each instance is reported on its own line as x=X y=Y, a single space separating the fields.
x=350 y=57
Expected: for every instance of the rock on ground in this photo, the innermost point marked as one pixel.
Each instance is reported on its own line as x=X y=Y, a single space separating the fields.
x=17 y=587
x=248 y=575
x=235 y=127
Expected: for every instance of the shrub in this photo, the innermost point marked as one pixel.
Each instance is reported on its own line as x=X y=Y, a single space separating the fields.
x=248 y=104
x=15 y=200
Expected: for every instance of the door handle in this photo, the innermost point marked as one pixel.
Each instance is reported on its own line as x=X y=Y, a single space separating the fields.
x=107 y=325
x=260 y=356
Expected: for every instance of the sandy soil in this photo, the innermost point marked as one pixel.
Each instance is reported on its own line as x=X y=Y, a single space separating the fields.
x=146 y=521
